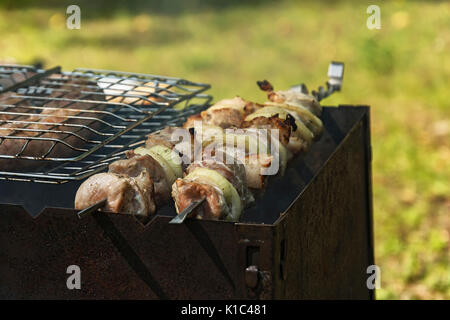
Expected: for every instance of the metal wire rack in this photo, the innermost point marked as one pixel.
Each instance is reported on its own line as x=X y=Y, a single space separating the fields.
x=63 y=126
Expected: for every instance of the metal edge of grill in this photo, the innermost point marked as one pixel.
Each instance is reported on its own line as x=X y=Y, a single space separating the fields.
x=138 y=104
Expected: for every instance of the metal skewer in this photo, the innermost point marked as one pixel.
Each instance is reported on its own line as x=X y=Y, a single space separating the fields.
x=91 y=209
x=183 y=215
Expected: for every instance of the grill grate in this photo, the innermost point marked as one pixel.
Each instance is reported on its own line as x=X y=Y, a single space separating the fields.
x=11 y=74
x=69 y=125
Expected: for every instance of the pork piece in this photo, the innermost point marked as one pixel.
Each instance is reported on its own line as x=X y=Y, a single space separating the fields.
x=11 y=104
x=251 y=107
x=284 y=127
x=7 y=100
x=165 y=137
x=184 y=192
x=145 y=185
x=292 y=97
x=255 y=166
x=225 y=113
x=63 y=112
x=176 y=138
x=312 y=122
x=132 y=91
x=190 y=121
x=286 y=131
x=8 y=80
x=137 y=168
x=58 y=134
x=137 y=164
x=234 y=173
x=224 y=118
x=238 y=103
x=123 y=194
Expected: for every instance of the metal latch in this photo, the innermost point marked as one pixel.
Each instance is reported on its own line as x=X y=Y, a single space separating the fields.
x=251 y=276
x=258 y=282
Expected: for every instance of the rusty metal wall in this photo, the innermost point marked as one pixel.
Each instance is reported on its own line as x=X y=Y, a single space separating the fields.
x=328 y=230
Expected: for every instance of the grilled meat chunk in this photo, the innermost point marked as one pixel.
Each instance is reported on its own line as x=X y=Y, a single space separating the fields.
x=137 y=164
x=289 y=118
x=312 y=122
x=255 y=166
x=291 y=97
x=274 y=122
x=227 y=113
x=9 y=79
x=133 y=92
x=223 y=117
x=184 y=192
x=53 y=131
x=162 y=137
x=178 y=139
x=234 y=173
x=123 y=194
x=191 y=120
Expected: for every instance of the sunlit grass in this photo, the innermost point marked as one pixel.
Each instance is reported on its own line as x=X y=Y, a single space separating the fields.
x=401 y=70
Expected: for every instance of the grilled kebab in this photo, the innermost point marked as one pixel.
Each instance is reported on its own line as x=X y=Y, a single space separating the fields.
x=165 y=167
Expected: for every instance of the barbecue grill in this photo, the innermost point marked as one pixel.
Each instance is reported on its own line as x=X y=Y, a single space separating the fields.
x=309 y=235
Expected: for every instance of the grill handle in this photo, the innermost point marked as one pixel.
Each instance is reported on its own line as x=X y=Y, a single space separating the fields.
x=334 y=83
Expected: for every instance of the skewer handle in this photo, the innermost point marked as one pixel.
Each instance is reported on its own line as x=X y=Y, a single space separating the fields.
x=91 y=209
x=334 y=83
x=335 y=75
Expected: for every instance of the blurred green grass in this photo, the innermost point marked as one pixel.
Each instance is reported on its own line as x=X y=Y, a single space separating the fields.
x=402 y=71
